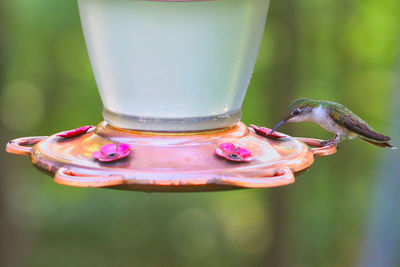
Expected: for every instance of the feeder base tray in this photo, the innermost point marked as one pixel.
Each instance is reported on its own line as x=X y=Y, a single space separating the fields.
x=170 y=161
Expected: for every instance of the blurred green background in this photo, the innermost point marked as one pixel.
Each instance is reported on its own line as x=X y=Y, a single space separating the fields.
x=340 y=50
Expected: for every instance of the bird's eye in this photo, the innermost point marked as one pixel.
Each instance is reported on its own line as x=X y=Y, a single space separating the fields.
x=296 y=111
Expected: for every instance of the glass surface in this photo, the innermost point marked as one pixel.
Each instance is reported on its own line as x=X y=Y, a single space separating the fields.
x=162 y=61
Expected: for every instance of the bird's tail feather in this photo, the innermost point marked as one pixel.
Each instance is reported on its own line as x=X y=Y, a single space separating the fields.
x=377 y=143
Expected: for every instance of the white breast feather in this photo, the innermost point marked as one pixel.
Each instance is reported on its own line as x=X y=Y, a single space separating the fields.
x=320 y=115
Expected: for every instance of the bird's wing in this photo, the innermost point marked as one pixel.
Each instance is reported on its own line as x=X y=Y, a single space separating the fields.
x=353 y=124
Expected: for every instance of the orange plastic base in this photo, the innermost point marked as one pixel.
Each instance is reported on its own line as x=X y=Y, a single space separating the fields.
x=171 y=162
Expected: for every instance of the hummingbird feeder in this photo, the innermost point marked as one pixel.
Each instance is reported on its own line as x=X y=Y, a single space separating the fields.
x=172 y=76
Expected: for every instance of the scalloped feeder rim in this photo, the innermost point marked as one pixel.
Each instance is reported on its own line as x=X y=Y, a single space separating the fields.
x=173 y=162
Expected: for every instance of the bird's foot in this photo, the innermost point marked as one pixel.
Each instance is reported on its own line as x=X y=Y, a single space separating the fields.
x=331 y=142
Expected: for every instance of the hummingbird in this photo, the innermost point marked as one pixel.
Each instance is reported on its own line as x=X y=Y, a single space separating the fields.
x=335 y=118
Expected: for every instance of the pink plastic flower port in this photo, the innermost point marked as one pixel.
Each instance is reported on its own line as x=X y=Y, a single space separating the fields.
x=233 y=153
x=266 y=132
x=112 y=152
x=75 y=132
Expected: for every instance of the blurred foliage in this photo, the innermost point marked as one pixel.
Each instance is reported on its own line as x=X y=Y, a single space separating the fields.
x=342 y=50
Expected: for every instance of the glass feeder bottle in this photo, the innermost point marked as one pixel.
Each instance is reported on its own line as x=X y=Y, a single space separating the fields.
x=173 y=65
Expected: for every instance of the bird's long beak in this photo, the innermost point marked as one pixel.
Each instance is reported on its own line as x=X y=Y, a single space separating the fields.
x=277 y=126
